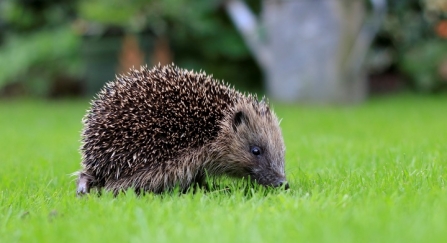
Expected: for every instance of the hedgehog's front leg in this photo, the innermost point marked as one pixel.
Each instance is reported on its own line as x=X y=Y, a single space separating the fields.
x=201 y=181
x=83 y=184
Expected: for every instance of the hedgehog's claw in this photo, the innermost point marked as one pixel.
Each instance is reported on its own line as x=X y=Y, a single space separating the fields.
x=83 y=185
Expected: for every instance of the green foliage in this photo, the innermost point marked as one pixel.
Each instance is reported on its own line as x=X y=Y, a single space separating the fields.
x=409 y=36
x=12 y=12
x=422 y=64
x=37 y=45
x=370 y=173
x=35 y=59
x=139 y=15
x=211 y=43
x=201 y=36
x=24 y=16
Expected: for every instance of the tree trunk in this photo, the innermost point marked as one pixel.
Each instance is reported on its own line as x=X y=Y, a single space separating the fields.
x=311 y=51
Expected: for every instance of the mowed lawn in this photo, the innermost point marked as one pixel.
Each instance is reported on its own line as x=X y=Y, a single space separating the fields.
x=375 y=172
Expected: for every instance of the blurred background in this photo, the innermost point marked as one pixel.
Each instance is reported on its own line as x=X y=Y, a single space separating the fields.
x=314 y=51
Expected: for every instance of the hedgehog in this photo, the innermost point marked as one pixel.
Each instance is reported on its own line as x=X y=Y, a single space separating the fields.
x=156 y=129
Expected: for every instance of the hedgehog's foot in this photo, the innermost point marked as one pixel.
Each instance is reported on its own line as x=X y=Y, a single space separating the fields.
x=83 y=184
x=201 y=182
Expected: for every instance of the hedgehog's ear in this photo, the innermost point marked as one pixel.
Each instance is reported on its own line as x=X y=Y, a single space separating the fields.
x=238 y=119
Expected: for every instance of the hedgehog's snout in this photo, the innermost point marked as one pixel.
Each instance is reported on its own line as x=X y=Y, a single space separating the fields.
x=282 y=183
x=270 y=179
x=276 y=183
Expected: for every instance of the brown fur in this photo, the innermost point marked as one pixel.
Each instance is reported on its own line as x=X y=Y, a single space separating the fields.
x=154 y=129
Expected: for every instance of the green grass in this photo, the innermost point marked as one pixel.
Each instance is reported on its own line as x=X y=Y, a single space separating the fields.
x=375 y=172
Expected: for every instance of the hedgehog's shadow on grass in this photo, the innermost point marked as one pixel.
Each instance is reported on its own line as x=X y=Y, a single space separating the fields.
x=212 y=186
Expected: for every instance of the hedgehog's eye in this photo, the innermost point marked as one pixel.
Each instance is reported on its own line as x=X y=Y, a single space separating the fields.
x=256 y=150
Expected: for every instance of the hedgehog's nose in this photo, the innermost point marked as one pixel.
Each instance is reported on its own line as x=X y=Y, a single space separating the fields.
x=285 y=184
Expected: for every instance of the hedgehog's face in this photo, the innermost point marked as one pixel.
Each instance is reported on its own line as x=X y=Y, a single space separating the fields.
x=255 y=146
